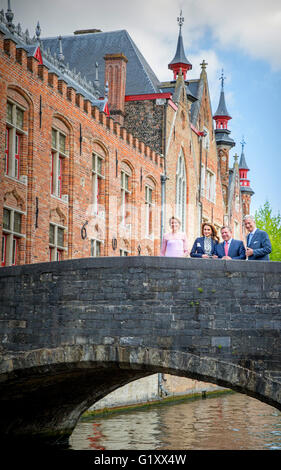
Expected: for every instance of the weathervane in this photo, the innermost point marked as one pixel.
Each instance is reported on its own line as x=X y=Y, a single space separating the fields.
x=222 y=78
x=204 y=65
x=38 y=31
x=180 y=19
x=243 y=143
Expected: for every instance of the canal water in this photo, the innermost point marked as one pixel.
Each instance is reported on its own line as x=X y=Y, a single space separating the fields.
x=228 y=422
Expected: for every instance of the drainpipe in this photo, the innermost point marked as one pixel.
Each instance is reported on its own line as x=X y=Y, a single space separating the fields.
x=163 y=176
x=162 y=392
x=201 y=135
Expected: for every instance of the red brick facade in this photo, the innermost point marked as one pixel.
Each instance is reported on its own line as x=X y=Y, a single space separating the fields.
x=76 y=182
x=80 y=188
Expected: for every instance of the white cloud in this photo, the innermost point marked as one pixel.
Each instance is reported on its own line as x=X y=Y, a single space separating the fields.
x=254 y=26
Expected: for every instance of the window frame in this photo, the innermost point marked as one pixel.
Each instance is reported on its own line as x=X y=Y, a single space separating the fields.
x=97 y=178
x=11 y=237
x=96 y=242
x=149 y=211
x=58 y=158
x=125 y=195
x=56 y=251
x=14 y=139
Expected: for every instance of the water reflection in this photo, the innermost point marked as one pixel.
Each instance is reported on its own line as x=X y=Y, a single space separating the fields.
x=227 y=422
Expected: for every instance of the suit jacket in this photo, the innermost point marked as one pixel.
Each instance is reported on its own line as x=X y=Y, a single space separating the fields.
x=198 y=247
x=261 y=245
x=236 y=250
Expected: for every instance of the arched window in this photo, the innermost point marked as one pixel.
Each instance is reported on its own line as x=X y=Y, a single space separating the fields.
x=16 y=135
x=149 y=208
x=181 y=190
x=98 y=180
x=126 y=190
x=59 y=159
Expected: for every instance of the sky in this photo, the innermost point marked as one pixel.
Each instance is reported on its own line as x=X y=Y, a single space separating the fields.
x=243 y=38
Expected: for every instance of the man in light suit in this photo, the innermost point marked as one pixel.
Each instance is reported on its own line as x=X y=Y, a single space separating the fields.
x=229 y=248
x=258 y=243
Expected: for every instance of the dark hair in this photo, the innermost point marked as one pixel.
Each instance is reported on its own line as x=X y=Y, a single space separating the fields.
x=214 y=231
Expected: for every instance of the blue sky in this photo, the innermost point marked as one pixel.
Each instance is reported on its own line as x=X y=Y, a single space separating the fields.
x=241 y=37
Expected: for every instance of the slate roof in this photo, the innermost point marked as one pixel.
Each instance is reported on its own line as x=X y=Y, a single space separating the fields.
x=180 y=54
x=222 y=111
x=82 y=51
x=222 y=137
x=197 y=88
x=242 y=164
x=90 y=93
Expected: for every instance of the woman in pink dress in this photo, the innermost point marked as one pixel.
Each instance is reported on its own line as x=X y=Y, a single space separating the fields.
x=175 y=242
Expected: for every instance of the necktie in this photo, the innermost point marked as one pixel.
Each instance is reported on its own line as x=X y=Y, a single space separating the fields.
x=250 y=238
x=226 y=248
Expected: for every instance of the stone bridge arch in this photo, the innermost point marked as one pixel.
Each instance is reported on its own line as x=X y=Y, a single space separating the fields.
x=44 y=392
x=72 y=332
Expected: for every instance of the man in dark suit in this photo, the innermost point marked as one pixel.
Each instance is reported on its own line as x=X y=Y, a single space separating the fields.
x=258 y=243
x=229 y=248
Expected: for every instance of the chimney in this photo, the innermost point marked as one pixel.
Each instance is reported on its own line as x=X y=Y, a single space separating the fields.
x=115 y=75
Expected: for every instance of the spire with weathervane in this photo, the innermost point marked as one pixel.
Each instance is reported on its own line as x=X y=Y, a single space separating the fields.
x=224 y=142
x=222 y=117
x=180 y=61
x=245 y=188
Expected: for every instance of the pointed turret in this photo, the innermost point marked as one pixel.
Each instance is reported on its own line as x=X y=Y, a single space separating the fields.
x=224 y=143
x=180 y=61
x=243 y=172
x=245 y=188
x=222 y=117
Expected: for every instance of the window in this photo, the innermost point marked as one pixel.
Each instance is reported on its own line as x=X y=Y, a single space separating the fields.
x=13 y=141
x=96 y=247
x=125 y=193
x=12 y=233
x=56 y=242
x=210 y=186
x=149 y=211
x=97 y=182
x=58 y=162
x=181 y=190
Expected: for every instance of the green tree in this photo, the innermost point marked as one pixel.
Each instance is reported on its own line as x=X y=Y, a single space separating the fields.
x=265 y=220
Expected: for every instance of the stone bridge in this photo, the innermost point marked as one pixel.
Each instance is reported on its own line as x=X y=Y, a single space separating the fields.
x=73 y=331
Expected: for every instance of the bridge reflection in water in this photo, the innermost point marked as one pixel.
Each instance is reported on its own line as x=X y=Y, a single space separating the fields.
x=72 y=332
x=228 y=422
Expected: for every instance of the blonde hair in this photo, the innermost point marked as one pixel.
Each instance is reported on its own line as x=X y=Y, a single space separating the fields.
x=174 y=218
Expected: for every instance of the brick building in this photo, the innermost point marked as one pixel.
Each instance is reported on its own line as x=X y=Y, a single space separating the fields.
x=95 y=166
x=97 y=153
x=74 y=182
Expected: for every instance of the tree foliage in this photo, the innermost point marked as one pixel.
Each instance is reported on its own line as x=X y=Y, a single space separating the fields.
x=265 y=220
